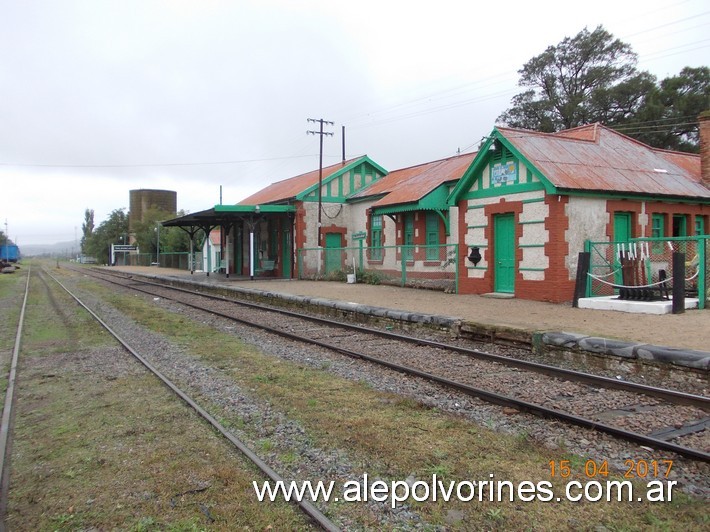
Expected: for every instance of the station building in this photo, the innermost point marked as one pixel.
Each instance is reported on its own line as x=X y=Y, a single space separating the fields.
x=519 y=210
x=530 y=200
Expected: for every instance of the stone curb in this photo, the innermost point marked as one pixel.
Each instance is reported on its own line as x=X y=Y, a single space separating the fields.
x=664 y=355
x=565 y=340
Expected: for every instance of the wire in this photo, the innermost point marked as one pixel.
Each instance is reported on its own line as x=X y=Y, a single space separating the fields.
x=145 y=165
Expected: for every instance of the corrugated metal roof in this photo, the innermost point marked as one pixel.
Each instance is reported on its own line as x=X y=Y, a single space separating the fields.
x=411 y=184
x=596 y=158
x=291 y=187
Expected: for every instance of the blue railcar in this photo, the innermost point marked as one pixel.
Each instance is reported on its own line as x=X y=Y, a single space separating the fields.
x=9 y=253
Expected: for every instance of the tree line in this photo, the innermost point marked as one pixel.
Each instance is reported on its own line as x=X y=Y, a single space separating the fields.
x=96 y=241
x=592 y=77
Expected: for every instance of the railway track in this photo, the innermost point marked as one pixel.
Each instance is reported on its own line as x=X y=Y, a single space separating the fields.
x=659 y=418
x=313 y=513
x=8 y=409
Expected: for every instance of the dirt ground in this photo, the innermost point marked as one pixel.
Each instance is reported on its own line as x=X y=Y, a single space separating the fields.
x=690 y=330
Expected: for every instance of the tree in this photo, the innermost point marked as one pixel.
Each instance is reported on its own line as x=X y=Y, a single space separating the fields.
x=87 y=228
x=172 y=239
x=668 y=118
x=587 y=78
x=176 y=240
x=113 y=230
x=592 y=77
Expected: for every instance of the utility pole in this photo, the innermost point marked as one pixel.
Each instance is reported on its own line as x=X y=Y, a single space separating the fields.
x=320 y=170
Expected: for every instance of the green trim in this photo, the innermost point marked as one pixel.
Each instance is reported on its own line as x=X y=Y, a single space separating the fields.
x=357 y=166
x=463 y=189
x=534 y=200
x=531 y=245
x=482 y=268
x=483 y=226
x=532 y=269
x=634 y=197
x=262 y=209
x=504 y=190
x=473 y=207
x=532 y=222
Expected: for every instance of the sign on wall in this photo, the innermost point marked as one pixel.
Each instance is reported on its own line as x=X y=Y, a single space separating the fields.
x=502 y=173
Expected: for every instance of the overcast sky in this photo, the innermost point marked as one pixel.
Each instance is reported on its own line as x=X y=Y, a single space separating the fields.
x=101 y=97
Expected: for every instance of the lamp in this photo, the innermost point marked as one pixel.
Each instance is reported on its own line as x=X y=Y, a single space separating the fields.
x=475 y=256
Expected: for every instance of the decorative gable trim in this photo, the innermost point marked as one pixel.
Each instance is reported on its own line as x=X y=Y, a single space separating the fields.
x=496 y=144
x=349 y=180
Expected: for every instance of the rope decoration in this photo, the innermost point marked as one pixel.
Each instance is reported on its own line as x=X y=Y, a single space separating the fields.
x=659 y=283
x=633 y=255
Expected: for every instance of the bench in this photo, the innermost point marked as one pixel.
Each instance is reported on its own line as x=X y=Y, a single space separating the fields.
x=266 y=266
x=221 y=267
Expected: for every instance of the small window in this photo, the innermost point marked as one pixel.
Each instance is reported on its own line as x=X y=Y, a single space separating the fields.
x=680 y=225
x=408 y=252
x=658 y=222
x=376 y=237
x=432 y=236
x=699 y=225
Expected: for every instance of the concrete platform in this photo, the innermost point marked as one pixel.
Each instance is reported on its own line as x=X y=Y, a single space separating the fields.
x=663 y=306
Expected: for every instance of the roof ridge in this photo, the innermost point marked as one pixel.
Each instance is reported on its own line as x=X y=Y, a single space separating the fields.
x=435 y=161
x=342 y=164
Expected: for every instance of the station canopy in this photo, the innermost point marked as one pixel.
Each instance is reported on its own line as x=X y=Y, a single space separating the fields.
x=226 y=215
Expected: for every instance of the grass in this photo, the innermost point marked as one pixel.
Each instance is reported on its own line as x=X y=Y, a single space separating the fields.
x=98 y=450
x=393 y=438
x=12 y=288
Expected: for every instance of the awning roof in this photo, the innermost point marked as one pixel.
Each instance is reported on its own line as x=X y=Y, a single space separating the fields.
x=223 y=214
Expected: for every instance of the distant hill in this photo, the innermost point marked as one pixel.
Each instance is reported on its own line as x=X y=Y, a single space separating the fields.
x=60 y=249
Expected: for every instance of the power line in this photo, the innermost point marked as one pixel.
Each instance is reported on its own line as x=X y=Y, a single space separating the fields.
x=321 y=134
x=150 y=165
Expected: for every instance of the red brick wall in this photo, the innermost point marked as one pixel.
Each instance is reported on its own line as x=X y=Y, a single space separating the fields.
x=556 y=286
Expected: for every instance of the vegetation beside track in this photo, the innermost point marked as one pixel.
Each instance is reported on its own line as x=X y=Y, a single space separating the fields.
x=392 y=437
x=12 y=289
x=99 y=444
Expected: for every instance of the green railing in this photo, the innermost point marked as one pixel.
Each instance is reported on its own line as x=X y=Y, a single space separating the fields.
x=178 y=261
x=433 y=266
x=652 y=256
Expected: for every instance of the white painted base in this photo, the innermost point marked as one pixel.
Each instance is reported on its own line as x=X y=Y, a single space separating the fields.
x=637 y=307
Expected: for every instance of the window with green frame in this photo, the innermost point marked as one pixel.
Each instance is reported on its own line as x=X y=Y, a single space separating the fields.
x=432 y=236
x=699 y=225
x=658 y=222
x=680 y=225
x=408 y=253
x=376 y=237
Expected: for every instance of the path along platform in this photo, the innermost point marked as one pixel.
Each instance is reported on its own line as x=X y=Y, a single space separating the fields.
x=682 y=339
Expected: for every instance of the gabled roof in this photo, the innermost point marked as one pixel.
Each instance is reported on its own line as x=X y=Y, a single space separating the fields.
x=408 y=185
x=216 y=236
x=596 y=158
x=298 y=186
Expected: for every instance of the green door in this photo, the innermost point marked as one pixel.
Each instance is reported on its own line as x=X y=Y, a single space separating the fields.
x=504 y=250
x=622 y=226
x=622 y=234
x=286 y=254
x=332 y=252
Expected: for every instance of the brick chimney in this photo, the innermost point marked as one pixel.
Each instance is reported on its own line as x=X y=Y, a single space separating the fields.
x=704 y=126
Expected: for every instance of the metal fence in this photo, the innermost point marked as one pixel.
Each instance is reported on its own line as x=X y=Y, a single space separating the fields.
x=643 y=267
x=420 y=266
x=178 y=261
